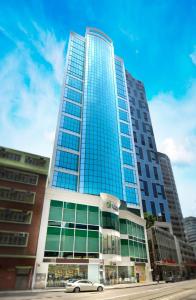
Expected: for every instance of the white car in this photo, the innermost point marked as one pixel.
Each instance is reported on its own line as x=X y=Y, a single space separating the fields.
x=83 y=285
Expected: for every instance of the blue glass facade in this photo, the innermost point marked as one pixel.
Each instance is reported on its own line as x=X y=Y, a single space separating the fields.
x=94 y=142
x=100 y=152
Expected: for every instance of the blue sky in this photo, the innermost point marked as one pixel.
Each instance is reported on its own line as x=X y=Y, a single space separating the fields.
x=158 y=43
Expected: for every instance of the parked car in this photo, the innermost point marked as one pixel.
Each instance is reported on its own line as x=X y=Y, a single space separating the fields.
x=76 y=286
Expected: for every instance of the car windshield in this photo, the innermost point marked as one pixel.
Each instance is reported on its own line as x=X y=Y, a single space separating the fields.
x=72 y=280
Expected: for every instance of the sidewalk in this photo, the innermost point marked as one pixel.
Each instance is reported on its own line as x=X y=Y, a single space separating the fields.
x=107 y=287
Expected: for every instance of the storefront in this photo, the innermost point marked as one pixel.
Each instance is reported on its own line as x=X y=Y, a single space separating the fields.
x=59 y=273
x=140 y=272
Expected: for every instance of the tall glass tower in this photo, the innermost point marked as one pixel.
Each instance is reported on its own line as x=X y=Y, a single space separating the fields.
x=92 y=225
x=93 y=151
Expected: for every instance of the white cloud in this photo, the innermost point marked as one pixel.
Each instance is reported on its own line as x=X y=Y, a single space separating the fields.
x=174 y=124
x=30 y=94
x=193 y=56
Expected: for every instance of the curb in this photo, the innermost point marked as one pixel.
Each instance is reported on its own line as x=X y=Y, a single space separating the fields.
x=12 y=293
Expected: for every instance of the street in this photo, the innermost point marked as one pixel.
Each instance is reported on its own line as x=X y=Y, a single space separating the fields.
x=185 y=290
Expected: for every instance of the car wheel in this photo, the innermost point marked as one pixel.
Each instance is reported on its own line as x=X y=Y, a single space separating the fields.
x=77 y=290
x=99 y=289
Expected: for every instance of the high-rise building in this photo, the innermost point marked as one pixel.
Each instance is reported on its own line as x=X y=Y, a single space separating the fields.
x=172 y=196
x=22 y=186
x=151 y=181
x=93 y=222
x=190 y=231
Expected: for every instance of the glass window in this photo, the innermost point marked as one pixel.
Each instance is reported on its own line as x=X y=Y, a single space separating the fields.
x=126 y=142
x=93 y=215
x=128 y=158
x=55 y=210
x=123 y=226
x=122 y=104
x=16 y=195
x=70 y=124
x=124 y=248
x=77 y=84
x=80 y=240
x=124 y=128
x=132 y=195
x=71 y=109
x=68 y=141
x=130 y=175
x=66 y=160
x=69 y=212
x=130 y=228
x=110 y=221
x=81 y=214
x=131 y=249
x=111 y=244
x=100 y=160
x=123 y=115
x=10 y=238
x=73 y=95
x=18 y=176
x=153 y=208
x=52 y=239
x=93 y=241
x=67 y=239
x=65 y=180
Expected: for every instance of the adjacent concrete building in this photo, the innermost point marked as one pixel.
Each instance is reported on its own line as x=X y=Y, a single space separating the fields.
x=172 y=196
x=186 y=258
x=163 y=252
x=190 y=231
x=151 y=180
x=22 y=187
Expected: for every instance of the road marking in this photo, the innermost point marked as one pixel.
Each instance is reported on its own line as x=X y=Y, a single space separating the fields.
x=125 y=295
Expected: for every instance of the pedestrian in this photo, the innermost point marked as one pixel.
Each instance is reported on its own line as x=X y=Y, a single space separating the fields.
x=157 y=278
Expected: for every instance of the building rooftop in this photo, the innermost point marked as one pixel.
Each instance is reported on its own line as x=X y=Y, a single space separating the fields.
x=24 y=161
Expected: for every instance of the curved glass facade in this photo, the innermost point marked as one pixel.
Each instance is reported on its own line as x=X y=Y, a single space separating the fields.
x=110 y=221
x=100 y=165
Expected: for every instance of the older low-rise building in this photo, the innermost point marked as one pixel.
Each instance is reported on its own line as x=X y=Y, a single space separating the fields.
x=190 y=231
x=162 y=250
x=186 y=258
x=22 y=187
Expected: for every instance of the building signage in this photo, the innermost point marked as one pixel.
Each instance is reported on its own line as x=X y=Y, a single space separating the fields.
x=110 y=204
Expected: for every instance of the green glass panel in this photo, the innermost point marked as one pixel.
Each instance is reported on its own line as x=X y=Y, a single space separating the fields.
x=124 y=248
x=55 y=210
x=56 y=203
x=142 y=232
x=130 y=228
x=67 y=239
x=69 y=212
x=123 y=226
x=93 y=241
x=80 y=240
x=136 y=249
x=134 y=229
x=144 y=250
x=93 y=215
x=52 y=239
x=81 y=214
x=110 y=220
x=131 y=248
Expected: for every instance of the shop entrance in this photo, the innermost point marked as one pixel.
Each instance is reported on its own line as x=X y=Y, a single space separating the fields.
x=111 y=275
x=22 y=278
x=140 y=272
